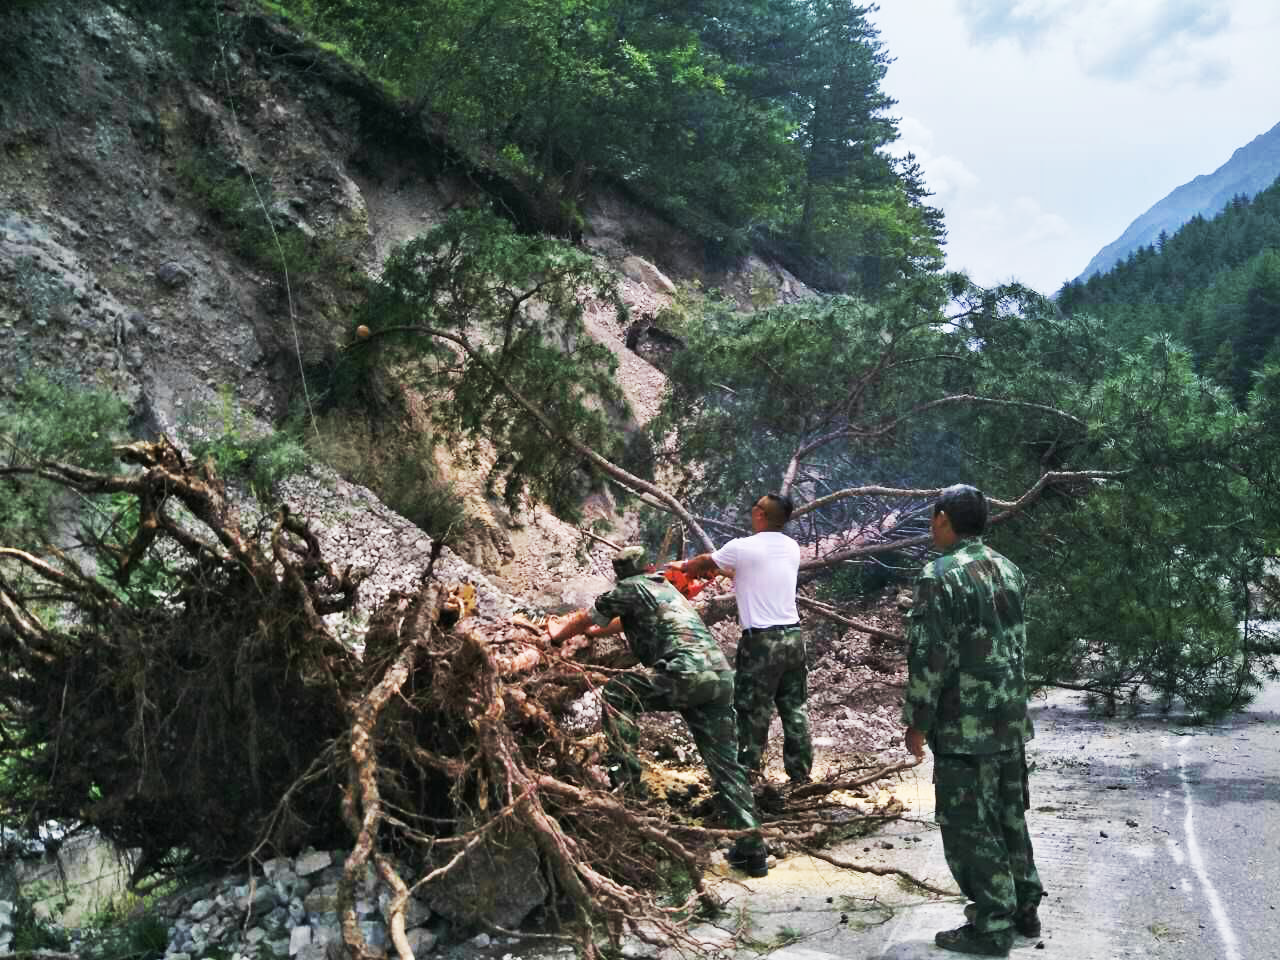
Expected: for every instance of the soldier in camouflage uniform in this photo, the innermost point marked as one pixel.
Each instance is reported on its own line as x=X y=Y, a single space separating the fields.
x=771 y=667
x=687 y=672
x=966 y=695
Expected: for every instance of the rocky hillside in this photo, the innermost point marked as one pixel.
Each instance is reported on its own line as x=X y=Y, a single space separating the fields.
x=1251 y=169
x=183 y=226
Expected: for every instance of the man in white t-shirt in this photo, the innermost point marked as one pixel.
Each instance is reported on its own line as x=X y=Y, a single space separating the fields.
x=771 y=668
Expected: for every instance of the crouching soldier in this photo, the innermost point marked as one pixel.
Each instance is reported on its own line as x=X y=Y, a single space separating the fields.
x=686 y=672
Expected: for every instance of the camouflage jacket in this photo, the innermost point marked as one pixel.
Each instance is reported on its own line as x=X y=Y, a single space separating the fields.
x=661 y=625
x=967 y=689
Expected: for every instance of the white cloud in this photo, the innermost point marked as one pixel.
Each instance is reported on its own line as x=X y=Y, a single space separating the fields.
x=945 y=175
x=915 y=135
x=1162 y=41
x=1044 y=127
x=1036 y=225
x=990 y=240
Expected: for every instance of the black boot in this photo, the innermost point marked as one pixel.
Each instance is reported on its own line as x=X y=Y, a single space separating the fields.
x=1027 y=921
x=754 y=863
x=968 y=939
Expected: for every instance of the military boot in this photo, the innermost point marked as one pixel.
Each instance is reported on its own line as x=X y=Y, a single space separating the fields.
x=1026 y=920
x=754 y=863
x=968 y=939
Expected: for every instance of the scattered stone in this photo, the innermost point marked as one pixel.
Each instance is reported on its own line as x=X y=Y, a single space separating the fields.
x=421 y=940
x=313 y=861
x=481 y=940
x=201 y=909
x=323 y=899
x=1103 y=834
x=1131 y=823
x=262 y=898
x=172 y=274
x=299 y=937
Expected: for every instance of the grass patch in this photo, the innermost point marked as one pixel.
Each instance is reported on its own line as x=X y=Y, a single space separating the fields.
x=223 y=435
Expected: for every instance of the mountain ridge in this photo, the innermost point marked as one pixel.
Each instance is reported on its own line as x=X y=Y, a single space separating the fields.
x=1250 y=169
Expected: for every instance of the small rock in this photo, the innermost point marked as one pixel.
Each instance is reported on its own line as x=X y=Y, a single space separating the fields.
x=322 y=899
x=1103 y=834
x=201 y=909
x=481 y=940
x=172 y=274
x=312 y=862
x=277 y=865
x=299 y=937
x=421 y=940
x=1131 y=823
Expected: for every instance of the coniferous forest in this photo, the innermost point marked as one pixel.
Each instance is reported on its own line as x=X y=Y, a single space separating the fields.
x=1214 y=285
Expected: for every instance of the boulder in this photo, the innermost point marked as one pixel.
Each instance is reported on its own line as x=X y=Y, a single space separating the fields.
x=500 y=881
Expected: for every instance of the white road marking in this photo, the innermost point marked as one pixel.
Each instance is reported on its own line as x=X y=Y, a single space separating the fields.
x=1220 y=918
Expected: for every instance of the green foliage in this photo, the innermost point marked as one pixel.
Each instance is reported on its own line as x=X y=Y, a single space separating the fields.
x=476 y=314
x=261 y=459
x=124 y=929
x=742 y=122
x=259 y=233
x=49 y=421
x=676 y=883
x=31 y=931
x=43 y=299
x=1214 y=285
x=1137 y=581
x=190 y=29
x=751 y=387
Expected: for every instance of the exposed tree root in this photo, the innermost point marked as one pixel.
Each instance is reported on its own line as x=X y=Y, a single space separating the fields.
x=878 y=871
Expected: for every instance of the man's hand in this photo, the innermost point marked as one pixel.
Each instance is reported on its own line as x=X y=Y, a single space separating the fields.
x=555 y=627
x=701 y=567
x=915 y=742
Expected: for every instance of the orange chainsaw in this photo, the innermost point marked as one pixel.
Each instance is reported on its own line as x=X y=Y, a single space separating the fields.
x=682 y=581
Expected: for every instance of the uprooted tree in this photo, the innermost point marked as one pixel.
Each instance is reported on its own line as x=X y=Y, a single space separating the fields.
x=174 y=661
x=179 y=689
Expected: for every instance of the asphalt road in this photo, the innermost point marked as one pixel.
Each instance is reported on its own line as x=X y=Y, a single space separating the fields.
x=1154 y=838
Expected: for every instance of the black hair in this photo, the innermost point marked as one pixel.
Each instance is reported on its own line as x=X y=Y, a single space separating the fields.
x=965 y=507
x=777 y=509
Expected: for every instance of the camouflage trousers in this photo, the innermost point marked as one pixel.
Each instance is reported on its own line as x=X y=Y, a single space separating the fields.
x=981 y=808
x=705 y=700
x=770 y=671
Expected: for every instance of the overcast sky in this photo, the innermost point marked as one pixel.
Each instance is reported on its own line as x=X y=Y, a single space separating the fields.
x=1045 y=127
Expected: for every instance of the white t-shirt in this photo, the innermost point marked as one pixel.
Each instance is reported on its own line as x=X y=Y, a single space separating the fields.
x=764 y=570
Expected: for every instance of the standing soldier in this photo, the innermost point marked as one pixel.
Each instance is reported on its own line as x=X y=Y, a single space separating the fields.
x=686 y=672
x=967 y=698
x=771 y=666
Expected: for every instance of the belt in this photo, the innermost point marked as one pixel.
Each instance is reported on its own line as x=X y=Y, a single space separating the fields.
x=761 y=631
